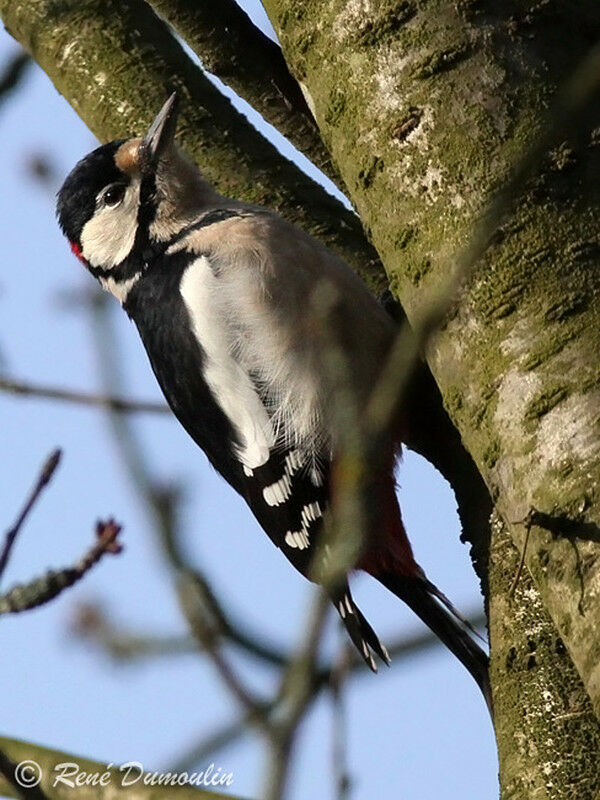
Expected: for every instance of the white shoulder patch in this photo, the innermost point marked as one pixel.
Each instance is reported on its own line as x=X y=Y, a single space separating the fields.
x=229 y=382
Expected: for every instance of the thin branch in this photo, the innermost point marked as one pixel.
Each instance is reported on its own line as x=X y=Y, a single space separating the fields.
x=339 y=745
x=230 y=732
x=45 y=588
x=119 y=404
x=231 y=47
x=44 y=478
x=211 y=744
x=122 y=644
x=236 y=632
x=13 y=73
x=297 y=691
x=202 y=627
x=92 y=624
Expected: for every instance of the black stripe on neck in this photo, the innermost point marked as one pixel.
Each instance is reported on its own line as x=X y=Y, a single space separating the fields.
x=216 y=215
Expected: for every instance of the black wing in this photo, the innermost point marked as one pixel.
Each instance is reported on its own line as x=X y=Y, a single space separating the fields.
x=289 y=497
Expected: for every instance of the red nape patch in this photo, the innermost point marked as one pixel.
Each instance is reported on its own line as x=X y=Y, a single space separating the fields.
x=76 y=249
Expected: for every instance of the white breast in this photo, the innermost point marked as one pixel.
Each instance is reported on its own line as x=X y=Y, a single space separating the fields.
x=230 y=384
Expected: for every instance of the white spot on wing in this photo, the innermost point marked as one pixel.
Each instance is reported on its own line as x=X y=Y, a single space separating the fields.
x=310 y=513
x=228 y=381
x=301 y=539
x=297 y=539
x=278 y=492
x=316 y=477
x=293 y=462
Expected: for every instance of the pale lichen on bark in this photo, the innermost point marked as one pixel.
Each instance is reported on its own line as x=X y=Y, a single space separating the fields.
x=548 y=735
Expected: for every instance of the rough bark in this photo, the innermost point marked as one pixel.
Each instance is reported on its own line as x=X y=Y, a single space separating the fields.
x=424 y=107
x=548 y=735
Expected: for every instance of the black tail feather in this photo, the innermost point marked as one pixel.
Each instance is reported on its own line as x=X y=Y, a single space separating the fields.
x=436 y=611
x=362 y=634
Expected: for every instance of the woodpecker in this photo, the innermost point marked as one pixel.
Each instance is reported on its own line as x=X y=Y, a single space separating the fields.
x=219 y=291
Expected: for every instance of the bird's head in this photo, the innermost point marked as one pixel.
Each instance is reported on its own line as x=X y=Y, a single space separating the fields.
x=126 y=195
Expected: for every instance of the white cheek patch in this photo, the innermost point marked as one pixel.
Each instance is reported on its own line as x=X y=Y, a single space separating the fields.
x=229 y=383
x=108 y=237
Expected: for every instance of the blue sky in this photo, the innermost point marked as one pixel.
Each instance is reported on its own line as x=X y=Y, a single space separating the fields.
x=420 y=727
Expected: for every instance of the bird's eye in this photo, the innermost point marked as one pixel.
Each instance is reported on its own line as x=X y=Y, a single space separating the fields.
x=113 y=195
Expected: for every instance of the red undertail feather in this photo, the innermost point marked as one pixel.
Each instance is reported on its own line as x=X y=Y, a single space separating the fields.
x=389 y=559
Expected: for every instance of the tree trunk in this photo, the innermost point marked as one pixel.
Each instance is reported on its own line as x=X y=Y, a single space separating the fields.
x=548 y=735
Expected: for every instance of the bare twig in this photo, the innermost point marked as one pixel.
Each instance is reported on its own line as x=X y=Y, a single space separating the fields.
x=211 y=744
x=234 y=631
x=13 y=73
x=297 y=691
x=44 y=589
x=44 y=478
x=339 y=755
x=119 y=404
x=201 y=624
x=91 y=623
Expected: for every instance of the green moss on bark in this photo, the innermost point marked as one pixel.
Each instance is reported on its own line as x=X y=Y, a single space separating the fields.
x=548 y=735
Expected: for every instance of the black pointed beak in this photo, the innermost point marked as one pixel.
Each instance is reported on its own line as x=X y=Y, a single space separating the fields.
x=160 y=134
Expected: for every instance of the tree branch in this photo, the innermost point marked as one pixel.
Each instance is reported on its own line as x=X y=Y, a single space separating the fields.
x=296 y=693
x=43 y=480
x=120 y=404
x=523 y=394
x=13 y=73
x=15 y=752
x=236 y=51
x=44 y=589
